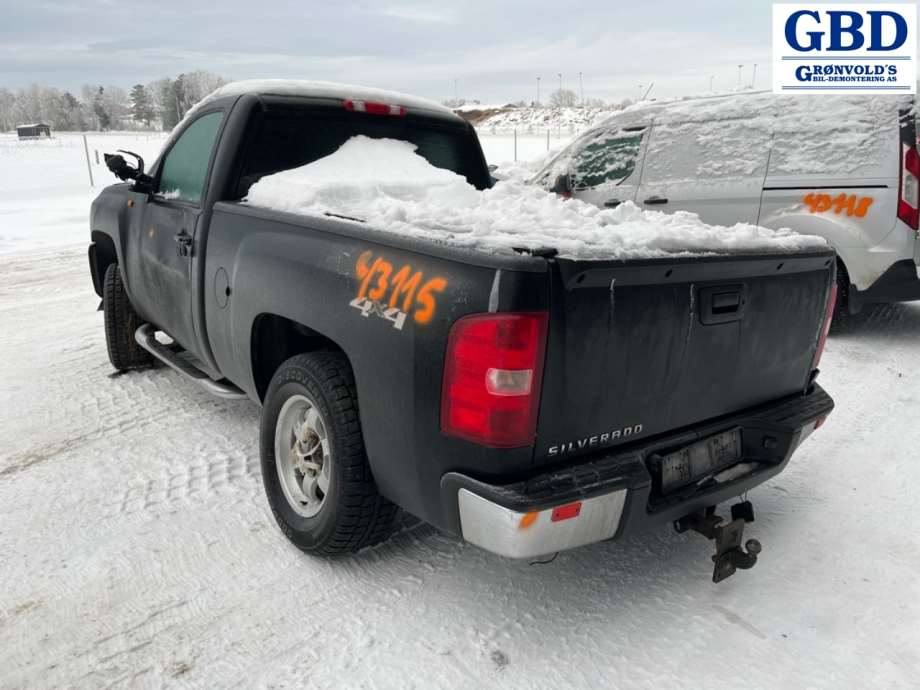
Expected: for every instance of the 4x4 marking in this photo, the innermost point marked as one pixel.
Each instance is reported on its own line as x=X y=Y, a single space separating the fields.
x=395 y=295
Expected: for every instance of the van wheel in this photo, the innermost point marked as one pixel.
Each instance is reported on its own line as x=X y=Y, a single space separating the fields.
x=314 y=465
x=121 y=321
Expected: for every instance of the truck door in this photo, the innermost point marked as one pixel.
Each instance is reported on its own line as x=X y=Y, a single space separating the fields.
x=715 y=169
x=164 y=229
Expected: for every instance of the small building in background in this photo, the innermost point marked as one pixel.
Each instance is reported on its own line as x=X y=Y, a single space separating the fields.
x=39 y=129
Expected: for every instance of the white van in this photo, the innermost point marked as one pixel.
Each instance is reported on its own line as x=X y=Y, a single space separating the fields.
x=843 y=167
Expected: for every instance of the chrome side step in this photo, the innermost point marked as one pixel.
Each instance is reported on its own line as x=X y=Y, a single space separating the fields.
x=146 y=338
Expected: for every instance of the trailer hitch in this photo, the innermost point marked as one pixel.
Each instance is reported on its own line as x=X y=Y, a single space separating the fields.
x=729 y=555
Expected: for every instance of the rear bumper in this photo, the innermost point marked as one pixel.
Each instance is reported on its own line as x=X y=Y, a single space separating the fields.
x=609 y=495
x=900 y=283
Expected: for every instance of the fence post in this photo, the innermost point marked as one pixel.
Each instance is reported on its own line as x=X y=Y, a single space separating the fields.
x=89 y=167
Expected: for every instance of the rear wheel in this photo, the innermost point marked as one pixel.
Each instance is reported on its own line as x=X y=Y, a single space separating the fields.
x=314 y=466
x=121 y=321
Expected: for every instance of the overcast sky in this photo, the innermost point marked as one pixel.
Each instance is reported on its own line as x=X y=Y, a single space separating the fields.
x=494 y=49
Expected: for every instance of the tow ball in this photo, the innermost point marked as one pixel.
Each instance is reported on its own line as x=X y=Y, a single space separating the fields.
x=727 y=536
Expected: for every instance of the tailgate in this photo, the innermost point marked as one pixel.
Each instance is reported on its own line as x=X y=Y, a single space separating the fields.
x=641 y=348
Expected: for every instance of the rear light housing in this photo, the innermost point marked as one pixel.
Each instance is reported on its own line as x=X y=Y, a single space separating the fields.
x=493 y=371
x=374 y=108
x=826 y=326
x=909 y=189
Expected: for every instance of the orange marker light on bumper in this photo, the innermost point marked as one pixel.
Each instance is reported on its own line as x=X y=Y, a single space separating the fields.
x=529 y=519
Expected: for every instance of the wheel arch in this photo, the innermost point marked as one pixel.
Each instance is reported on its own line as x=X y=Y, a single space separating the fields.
x=102 y=254
x=275 y=339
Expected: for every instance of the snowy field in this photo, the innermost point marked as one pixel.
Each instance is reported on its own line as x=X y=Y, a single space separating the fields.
x=137 y=549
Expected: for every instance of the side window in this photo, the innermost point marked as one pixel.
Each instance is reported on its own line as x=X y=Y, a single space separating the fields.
x=719 y=149
x=608 y=157
x=186 y=164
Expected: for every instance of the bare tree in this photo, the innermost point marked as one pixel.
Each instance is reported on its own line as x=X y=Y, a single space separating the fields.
x=7 y=101
x=107 y=107
x=563 y=98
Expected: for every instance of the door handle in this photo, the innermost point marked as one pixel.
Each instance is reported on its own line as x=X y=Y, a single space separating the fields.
x=183 y=243
x=655 y=200
x=721 y=303
x=612 y=203
x=726 y=302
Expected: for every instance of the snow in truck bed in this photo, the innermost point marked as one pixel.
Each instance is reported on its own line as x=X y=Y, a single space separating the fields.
x=387 y=184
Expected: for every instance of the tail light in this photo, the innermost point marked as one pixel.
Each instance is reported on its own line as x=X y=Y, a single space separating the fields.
x=909 y=192
x=492 y=376
x=826 y=326
x=374 y=108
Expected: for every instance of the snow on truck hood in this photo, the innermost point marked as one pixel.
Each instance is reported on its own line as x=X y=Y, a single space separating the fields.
x=387 y=184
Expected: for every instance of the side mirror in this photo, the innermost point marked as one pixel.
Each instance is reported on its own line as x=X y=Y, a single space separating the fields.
x=125 y=171
x=563 y=185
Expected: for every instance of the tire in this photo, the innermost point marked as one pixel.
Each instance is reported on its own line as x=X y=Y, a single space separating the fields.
x=350 y=513
x=121 y=321
x=842 y=306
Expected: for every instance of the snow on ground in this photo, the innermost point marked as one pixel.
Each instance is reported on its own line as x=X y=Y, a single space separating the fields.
x=138 y=550
x=387 y=184
x=44 y=184
x=524 y=148
x=535 y=120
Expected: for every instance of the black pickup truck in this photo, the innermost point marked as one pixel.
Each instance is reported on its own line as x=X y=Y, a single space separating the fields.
x=528 y=402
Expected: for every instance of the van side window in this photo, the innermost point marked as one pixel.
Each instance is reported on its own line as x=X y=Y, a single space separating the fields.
x=606 y=157
x=718 y=149
x=186 y=165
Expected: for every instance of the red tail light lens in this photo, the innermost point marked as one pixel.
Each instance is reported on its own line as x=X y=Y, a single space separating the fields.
x=909 y=193
x=492 y=376
x=374 y=108
x=826 y=326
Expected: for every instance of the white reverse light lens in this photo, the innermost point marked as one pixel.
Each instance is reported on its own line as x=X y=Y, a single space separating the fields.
x=509 y=381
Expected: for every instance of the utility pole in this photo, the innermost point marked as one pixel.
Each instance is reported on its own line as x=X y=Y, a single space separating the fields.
x=739 y=75
x=754 y=77
x=538 y=92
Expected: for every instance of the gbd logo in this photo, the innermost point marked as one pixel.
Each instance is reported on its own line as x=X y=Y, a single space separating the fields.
x=842 y=48
x=846 y=30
